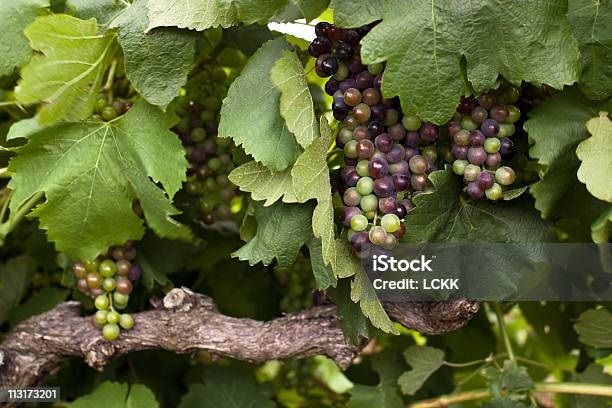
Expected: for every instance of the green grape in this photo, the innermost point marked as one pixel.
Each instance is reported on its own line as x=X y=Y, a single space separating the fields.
x=109 y=284
x=359 y=222
x=109 y=113
x=505 y=130
x=120 y=299
x=411 y=122
x=375 y=68
x=390 y=222
x=100 y=317
x=492 y=145
x=377 y=235
x=126 y=321
x=111 y=331
x=107 y=268
x=369 y=203
x=365 y=186
x=362 y=168
x=198 y=134
x=112 y=317
x=495 y=192
x=214 y=164
x=459 y=166
x=468 y=123
x=514 y=114
x=100 y=105
x=91 y=266
x=342 y=72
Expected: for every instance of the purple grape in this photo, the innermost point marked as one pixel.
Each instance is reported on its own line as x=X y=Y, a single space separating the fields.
x=499 y=113
x=428 y=132
x=479 y=114
x=477 y=138
x=493 y=160
x=360 y=241
x=326 y=66
x=197 y=155
x=383 y=187
x=375 y=128
x=453 y=128
x=378 y=112
x=418 y=181
x=401 y=182
x=396 y=154
x=489 y=127
x=322 y=29
x=387 y=205
x=430 y=167
x=465 y=105
x=411 y=151
x=321 y=45
x=351 y=37
x=474 y=190
x=347 y=214
x=477 y=155
x=460 y=152
x=346 y=171
x=365 y=149
x=332 y=86
x=364 y=80
x=412 y=139
x=485 y=179
x=383 y=142
x=135 y=273
x=346 y=84
x=378 y=168
x=407 y=204
x=361 y=133
x=354 y=64
x=352 y=179
x=377 y=81
x=506 y=145
x=349 y=161
x=401 y=213
x=344 y=51
x=400 y=167
x=397 y=132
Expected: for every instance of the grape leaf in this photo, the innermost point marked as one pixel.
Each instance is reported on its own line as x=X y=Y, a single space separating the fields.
x=92 y=173
x=445 y=216
x=353 y=323
x=68 y=74
x=311 y=9
x=557 y=127
x=117 y=395
x=323 y=227
x=23 y=129
x=424 y=362
x=423 y=43
x=156 y=62
x=602 y=227
x=193 y=14
x=310 y=172
x=595 y=153
x=384 y=394
x=590 y=21
x=347 y=15
x=282 y=229
x=227 y=387
x=296 y=105
x=510 y=378
x=263 y=184
x=14 y=46
x=323 y=273
x=15 y=276
x=255 y=11
x=248 y=38
x=363 y=292
x=104 y=11
x=594 y=328
x=250 y=114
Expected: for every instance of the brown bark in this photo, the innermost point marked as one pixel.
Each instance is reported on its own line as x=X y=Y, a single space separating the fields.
x=186 y=322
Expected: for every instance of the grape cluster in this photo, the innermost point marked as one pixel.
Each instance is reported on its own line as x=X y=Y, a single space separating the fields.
x=114 y=102
x=109 y=280
x=210 y=157
x=481 y=135
x=388 y=155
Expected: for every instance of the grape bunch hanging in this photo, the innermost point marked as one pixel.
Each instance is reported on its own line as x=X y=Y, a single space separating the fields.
x=109 y=279
x=388 y=155
x=210 y=157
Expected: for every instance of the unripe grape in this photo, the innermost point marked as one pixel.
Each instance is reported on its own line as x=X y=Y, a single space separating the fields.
x=124 y=286
x=514 y=114
x=82 y=285
x=79 y=270
x=111 y=332
x=390 y=222
x=350 y=149
x=468 y=124
x=369 y=203
x=120 y=300
x=112 y=317
x=109 y=113
x=479 y=114
x=100 y=317
x=491 y=145
x=352 y=97
x=400 y=167
x=107 y=268
x=459 y=166
x=495 y=192
x=505 y=175
x=101 y=302
x=351 y=197
x=430 y=153
x=362 y=112
x=359 y=222
x=397 y=132
x=365 y=186
x=391 y=117
x=377 y=235
x=499 y=113
x=126 y=321
x=92 y=265
x=418 y=164
x=109 y=284
x=486 y=101
x=375 y=69
x=94 y=280
x=462 y=137
x=470 y=173
x=411 y=122
x=506 y=130
x=390 y=242
x=361 y=168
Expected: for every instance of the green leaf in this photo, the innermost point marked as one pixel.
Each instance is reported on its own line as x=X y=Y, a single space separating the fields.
x=590 y=21
x=310 y=172
x=423 y=43
x=248 y=38
x=42 y=301
x=353 y=323
x=156 y=62
x=363 y=292
x=602 y=227
x=253 y=11
x=557 y=127
x=424 y=362
x=323 y=227
x=117 y=395
x=282 y=229
x=445 y=216
x=250 y=114
x=594 y=374
x=324 y=275
x=510 y=378
x=594 y=328
x=23 y=129
x=296 y=105
x=66 y=76
x=15 y=276
x=311 y=9
x=193 y=14
x=385 y=394
x=328 y=373
x=263 y=184
x=93 y=172
x=14 y=46
x=104 y=11
x=595 y=153
x=227 y=387
x=346 y=14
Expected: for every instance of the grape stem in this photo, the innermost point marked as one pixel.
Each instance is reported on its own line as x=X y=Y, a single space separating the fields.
x=504 y=331
x=108 y=85
x=555 y=388
x=15 y=218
